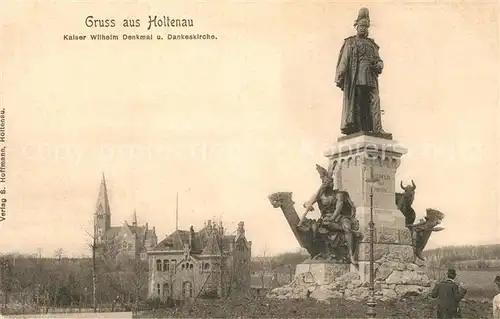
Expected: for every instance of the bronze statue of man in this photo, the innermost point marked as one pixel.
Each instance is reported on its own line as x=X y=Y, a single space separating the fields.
x=358 y=68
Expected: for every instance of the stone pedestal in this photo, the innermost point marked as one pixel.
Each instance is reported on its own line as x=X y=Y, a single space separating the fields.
x=394 y=279
x=321 y=273
x=357 y=159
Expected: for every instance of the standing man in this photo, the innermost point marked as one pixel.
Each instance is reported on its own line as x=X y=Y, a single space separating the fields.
x=358 y=68
x=449 y=294
x=496 y=299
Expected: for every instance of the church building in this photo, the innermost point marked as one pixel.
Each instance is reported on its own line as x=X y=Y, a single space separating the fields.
x=128 y=239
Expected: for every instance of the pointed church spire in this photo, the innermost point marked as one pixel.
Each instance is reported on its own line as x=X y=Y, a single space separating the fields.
x=134 y=219
x=102 y=198
x=102 y=214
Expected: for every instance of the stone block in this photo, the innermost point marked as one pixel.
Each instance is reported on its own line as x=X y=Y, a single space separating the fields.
x=407 y=277
x=405 y=237
x=409 y=290
x=363 y=271
x=387 y=235
x=379 y=250
x=400 y=252
x=322 y=273
x=391 y=218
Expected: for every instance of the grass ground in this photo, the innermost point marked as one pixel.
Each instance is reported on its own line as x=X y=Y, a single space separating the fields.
x=265 y=308
x=479 y=283
x=477 y=304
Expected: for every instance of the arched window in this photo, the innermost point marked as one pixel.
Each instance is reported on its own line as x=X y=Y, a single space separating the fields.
x=187 y=290
x=191 y=266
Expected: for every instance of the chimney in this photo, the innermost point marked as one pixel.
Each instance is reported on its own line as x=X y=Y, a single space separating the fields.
x=191 y=237
x=146 y=226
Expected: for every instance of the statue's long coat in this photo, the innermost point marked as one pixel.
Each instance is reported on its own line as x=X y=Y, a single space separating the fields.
x=347 y=69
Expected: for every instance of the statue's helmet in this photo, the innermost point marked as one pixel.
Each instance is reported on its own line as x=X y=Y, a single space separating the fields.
x=363 y=18
x=326 y=175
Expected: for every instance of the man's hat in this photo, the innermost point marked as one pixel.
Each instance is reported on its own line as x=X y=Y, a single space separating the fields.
x=363 y=17
x=452 y=272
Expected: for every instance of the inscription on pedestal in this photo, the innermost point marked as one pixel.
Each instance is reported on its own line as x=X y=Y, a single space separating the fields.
x=384 y=189
x=384 y=183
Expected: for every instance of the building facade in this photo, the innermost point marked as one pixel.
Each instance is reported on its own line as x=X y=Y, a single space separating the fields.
x=126 y=240
x=187 y=264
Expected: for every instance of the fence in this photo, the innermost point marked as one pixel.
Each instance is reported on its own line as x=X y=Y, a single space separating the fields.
x=23 y=309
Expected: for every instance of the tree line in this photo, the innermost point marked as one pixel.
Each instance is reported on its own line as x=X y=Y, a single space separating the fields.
x=28 y=281
x=466 y=256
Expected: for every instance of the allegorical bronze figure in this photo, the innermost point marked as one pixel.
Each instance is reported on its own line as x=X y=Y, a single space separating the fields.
x=358 y=68
x=422 y=230
x=405 y=200
x=335 y=235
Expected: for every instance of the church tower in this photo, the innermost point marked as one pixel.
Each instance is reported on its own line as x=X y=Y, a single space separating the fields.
x=102 y=216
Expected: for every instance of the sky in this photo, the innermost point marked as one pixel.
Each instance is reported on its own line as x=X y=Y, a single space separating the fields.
x=227 y=122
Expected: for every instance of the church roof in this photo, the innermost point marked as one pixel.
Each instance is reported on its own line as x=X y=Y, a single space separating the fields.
x=139 y=230
x=112 y=232
x=136 y=230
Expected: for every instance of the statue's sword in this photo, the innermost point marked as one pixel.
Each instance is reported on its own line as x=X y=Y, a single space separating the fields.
x=308 y=205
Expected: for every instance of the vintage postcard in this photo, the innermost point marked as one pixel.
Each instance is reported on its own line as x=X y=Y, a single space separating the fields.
x=247 y=159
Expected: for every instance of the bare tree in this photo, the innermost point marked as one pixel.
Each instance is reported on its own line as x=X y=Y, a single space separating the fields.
x=59 y=253
x=265 y=265
x=122 y=271
x=93 y=246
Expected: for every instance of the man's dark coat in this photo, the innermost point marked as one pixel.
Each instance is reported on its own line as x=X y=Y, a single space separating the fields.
x=449 y=295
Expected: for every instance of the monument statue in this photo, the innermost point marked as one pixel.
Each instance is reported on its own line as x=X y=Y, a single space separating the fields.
x=405 y=200
x=334 y=241
x=358 y=68
x=422 y=231
x=335 y=235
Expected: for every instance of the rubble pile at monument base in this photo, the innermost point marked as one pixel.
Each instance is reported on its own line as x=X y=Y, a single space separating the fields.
x=394 y=279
